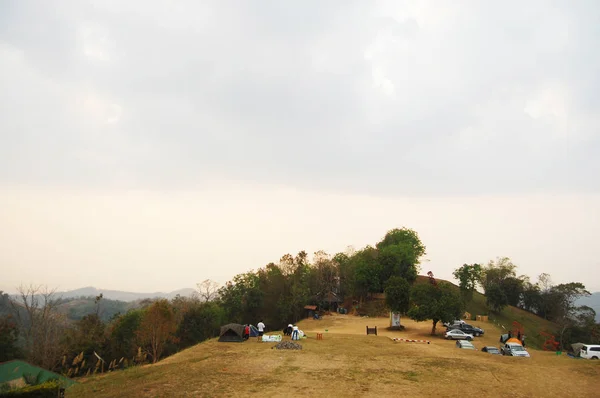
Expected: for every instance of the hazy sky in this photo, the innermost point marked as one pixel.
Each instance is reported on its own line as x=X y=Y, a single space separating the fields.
x=148 y=145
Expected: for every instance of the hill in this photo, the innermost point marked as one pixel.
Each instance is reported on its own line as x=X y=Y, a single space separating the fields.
x=592 y=301
x=122 y=295
x=532 y=324
x=350 y=364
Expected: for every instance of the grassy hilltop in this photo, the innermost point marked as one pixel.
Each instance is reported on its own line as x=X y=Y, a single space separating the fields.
x=532 y=323
x=348 y=363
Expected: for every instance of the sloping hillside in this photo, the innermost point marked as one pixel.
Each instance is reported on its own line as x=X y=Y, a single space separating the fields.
x=532 y=323
x=347 y=363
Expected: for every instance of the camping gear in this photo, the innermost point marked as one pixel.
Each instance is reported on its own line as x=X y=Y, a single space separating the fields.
x=514 y=340
x=577 y=348
x=272 y=338
x=253 y=331
x=232 y=333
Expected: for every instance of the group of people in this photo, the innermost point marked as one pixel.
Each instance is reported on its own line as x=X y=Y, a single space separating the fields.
x=260 y=326
x=292 y=331
x=520 y=337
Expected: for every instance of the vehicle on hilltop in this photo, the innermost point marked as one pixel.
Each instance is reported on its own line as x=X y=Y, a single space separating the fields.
x=515 y=350
x=455 y=334
x=465 y=327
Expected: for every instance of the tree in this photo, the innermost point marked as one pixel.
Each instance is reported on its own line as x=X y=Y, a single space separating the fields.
x=41 y=324
x=469 y=275
x=399 y=255
x=326 y=275
x=496 y=298
x=87 y=335
x=9 y=337
x=157 y=328
x=346 y=273
x=435 y=303
x=497 y=271
x=397 y=294
x=367 y=271
x=566 y=313
x=199 y=323
x=513 y=290
x=242 y=298
x=208 y=290
x=123 y=334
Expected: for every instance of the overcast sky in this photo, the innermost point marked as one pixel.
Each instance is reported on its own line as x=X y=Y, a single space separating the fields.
x=148 y=145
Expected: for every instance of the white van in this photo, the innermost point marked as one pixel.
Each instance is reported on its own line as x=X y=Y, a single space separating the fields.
x=590 y=351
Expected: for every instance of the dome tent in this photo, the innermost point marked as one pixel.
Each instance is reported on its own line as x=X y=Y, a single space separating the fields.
x=232 y=333
x=514 y=340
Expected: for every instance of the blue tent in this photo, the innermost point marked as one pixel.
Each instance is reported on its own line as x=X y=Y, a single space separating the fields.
x=253 y=331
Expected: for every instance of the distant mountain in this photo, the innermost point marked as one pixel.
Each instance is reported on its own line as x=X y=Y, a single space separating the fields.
x=122 y=296
x=592 y=301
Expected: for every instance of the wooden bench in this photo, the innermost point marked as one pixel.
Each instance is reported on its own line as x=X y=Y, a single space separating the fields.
x=372 y=330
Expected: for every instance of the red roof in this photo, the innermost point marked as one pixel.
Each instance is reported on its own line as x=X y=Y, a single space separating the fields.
x=310 y=307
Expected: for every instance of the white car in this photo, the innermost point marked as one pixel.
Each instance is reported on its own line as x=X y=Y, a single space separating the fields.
x=456 y=334
x=515 y=350
x=455 y=322
x=590 y=351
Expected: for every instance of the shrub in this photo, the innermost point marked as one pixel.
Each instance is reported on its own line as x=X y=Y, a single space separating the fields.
x=48 y=389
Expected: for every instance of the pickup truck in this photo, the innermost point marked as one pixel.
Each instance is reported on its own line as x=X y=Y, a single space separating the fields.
x=514 y=349
x=475 y=331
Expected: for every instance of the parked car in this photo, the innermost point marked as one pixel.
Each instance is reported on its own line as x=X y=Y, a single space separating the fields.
x=455 y=334
x=590 y=351
x=515 y=350
x=466 y=344
x=455 y=322
x=465 y=327
x=491 y=350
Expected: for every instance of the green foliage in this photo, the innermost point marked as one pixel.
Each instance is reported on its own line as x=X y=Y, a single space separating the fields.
x=242 y=298
x=48 y=389
x=87 y=335
x=9 y=339
x=438 y=303
x=399 y=254
x=367 y=271
x=497 y=271
x=469 y=275
x=496 y=298
x=397 y=294
x=202 y=321
x=123 y=334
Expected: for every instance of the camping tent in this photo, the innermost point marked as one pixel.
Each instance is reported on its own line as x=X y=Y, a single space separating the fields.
x=253 y=331
x=232 y=333
x=514 y=340
x=577 y=348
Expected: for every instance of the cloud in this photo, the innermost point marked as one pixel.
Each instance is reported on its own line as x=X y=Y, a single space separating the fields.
x=386 y=97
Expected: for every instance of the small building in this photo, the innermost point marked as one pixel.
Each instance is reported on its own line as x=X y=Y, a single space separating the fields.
x=310 y=310
x=328 y=300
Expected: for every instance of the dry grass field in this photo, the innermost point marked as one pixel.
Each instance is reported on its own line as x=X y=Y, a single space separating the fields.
x=347 y=363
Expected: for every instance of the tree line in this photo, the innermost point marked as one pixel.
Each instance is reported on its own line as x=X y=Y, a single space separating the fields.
x=556 y=303
x=276 y=293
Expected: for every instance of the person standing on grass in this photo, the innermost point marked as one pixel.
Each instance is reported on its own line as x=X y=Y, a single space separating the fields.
x=246 y=332
x=261 y=328
x=295 y=333
x=523 y=340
